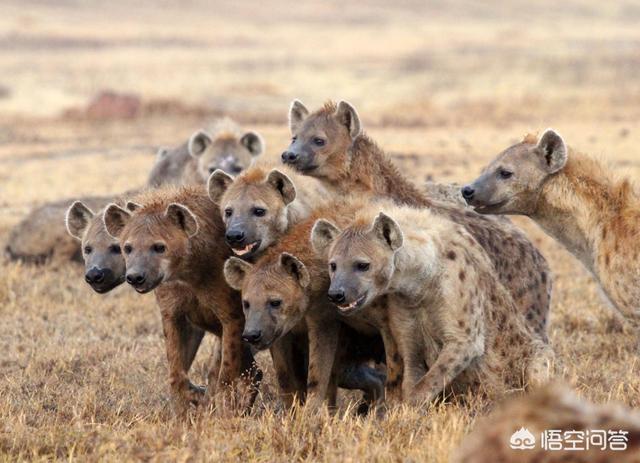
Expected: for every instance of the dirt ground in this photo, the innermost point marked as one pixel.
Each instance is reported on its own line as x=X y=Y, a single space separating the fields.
x=441 y=86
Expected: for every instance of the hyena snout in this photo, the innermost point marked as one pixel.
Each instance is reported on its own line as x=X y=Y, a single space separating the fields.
x=252 y=336
x=289 y=157
x=336 y=295
x=468 y=192
x=234 y=237
x=136 y=279
x=95 y=275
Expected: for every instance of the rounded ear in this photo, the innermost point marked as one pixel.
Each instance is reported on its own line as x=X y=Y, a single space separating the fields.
x=217 y=184
x=235 y=270
x=132 y=207
x=283 y=185
x=162 y=153
x=348 y=116
x=387 y=230
x=115 y=218
x=295 y=268
x=183 y=218
x=198 y=143
x=323 y=234
x=553 y=151
x=253 y=142
x=77 y=219
x=297 y=113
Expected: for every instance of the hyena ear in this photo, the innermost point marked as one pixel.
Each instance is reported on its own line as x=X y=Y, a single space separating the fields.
x=295 y=268
x=553 y=151
x=115 y=218
x=132 y=207
x=348 y=116
x=198 y=143
x=253 y=142
x=323 y=234
x=217 y=184
x=162 y=153
x=77 y=219
x=297 y=113
x=387 y=230
x=235 y=270
x=283 y=185
x=183 y=218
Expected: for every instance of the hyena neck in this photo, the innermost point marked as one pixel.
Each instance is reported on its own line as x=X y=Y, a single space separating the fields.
x=577 y=204
x=372 y=170
x=414 y=269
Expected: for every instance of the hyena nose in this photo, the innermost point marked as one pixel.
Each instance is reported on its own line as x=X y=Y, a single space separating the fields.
x=468 y=192
x=94 y=275
x=136 y=279
x=336 y=296
x=234 y=236
x=289 y=156
x=252 y=336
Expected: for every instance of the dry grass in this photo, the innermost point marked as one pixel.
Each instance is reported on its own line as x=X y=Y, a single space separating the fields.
x=443 y=86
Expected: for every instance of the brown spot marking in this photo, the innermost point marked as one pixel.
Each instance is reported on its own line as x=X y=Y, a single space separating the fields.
x=461 y=275
x=451 y=255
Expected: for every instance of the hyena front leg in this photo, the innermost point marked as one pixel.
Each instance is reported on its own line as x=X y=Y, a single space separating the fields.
x=323 y=345
x=453 y=359
x=181 y=342
x=395 y=365
x=231 y=353
x=292 y=388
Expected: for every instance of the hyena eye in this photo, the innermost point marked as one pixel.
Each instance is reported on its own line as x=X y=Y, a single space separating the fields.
x=236 y=169
x=505 y=174
x=245 y=305
x=293 y=139
x=127 y=249
x=332 y=266
x=228 y=212
x=362 y=266
x=212 y=170
x=318 y=141
x=114 y=249
x=159 y=248
x=259 y=212
x=275 y=303
x=88 y=249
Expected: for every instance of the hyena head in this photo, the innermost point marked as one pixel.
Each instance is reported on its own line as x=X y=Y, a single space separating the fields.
x=274 y=296
x=103 y=262
x=253 y=208
x=153 y=243
x=511 y=184
x=321 y=140
x=361 y=259
x=226 y=151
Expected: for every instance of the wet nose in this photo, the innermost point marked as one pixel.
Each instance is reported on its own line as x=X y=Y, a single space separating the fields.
x=336 y=296
x=94 y=275
x=468 y=192
x=234 y=236
x=289 y=156
x=252 y=336
x=136 y=279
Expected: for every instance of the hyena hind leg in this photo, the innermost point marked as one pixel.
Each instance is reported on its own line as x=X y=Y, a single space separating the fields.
x=366 y=379
x=541 y=366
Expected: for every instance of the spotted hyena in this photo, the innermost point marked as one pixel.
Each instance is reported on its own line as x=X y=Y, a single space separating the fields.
x=558 y=409
x=577 y=201
x=170 y=246
x=446 y=309
x=103 y=259
x=329 y=144
x=260 y=204
x=224 y=146
x=285 y=292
